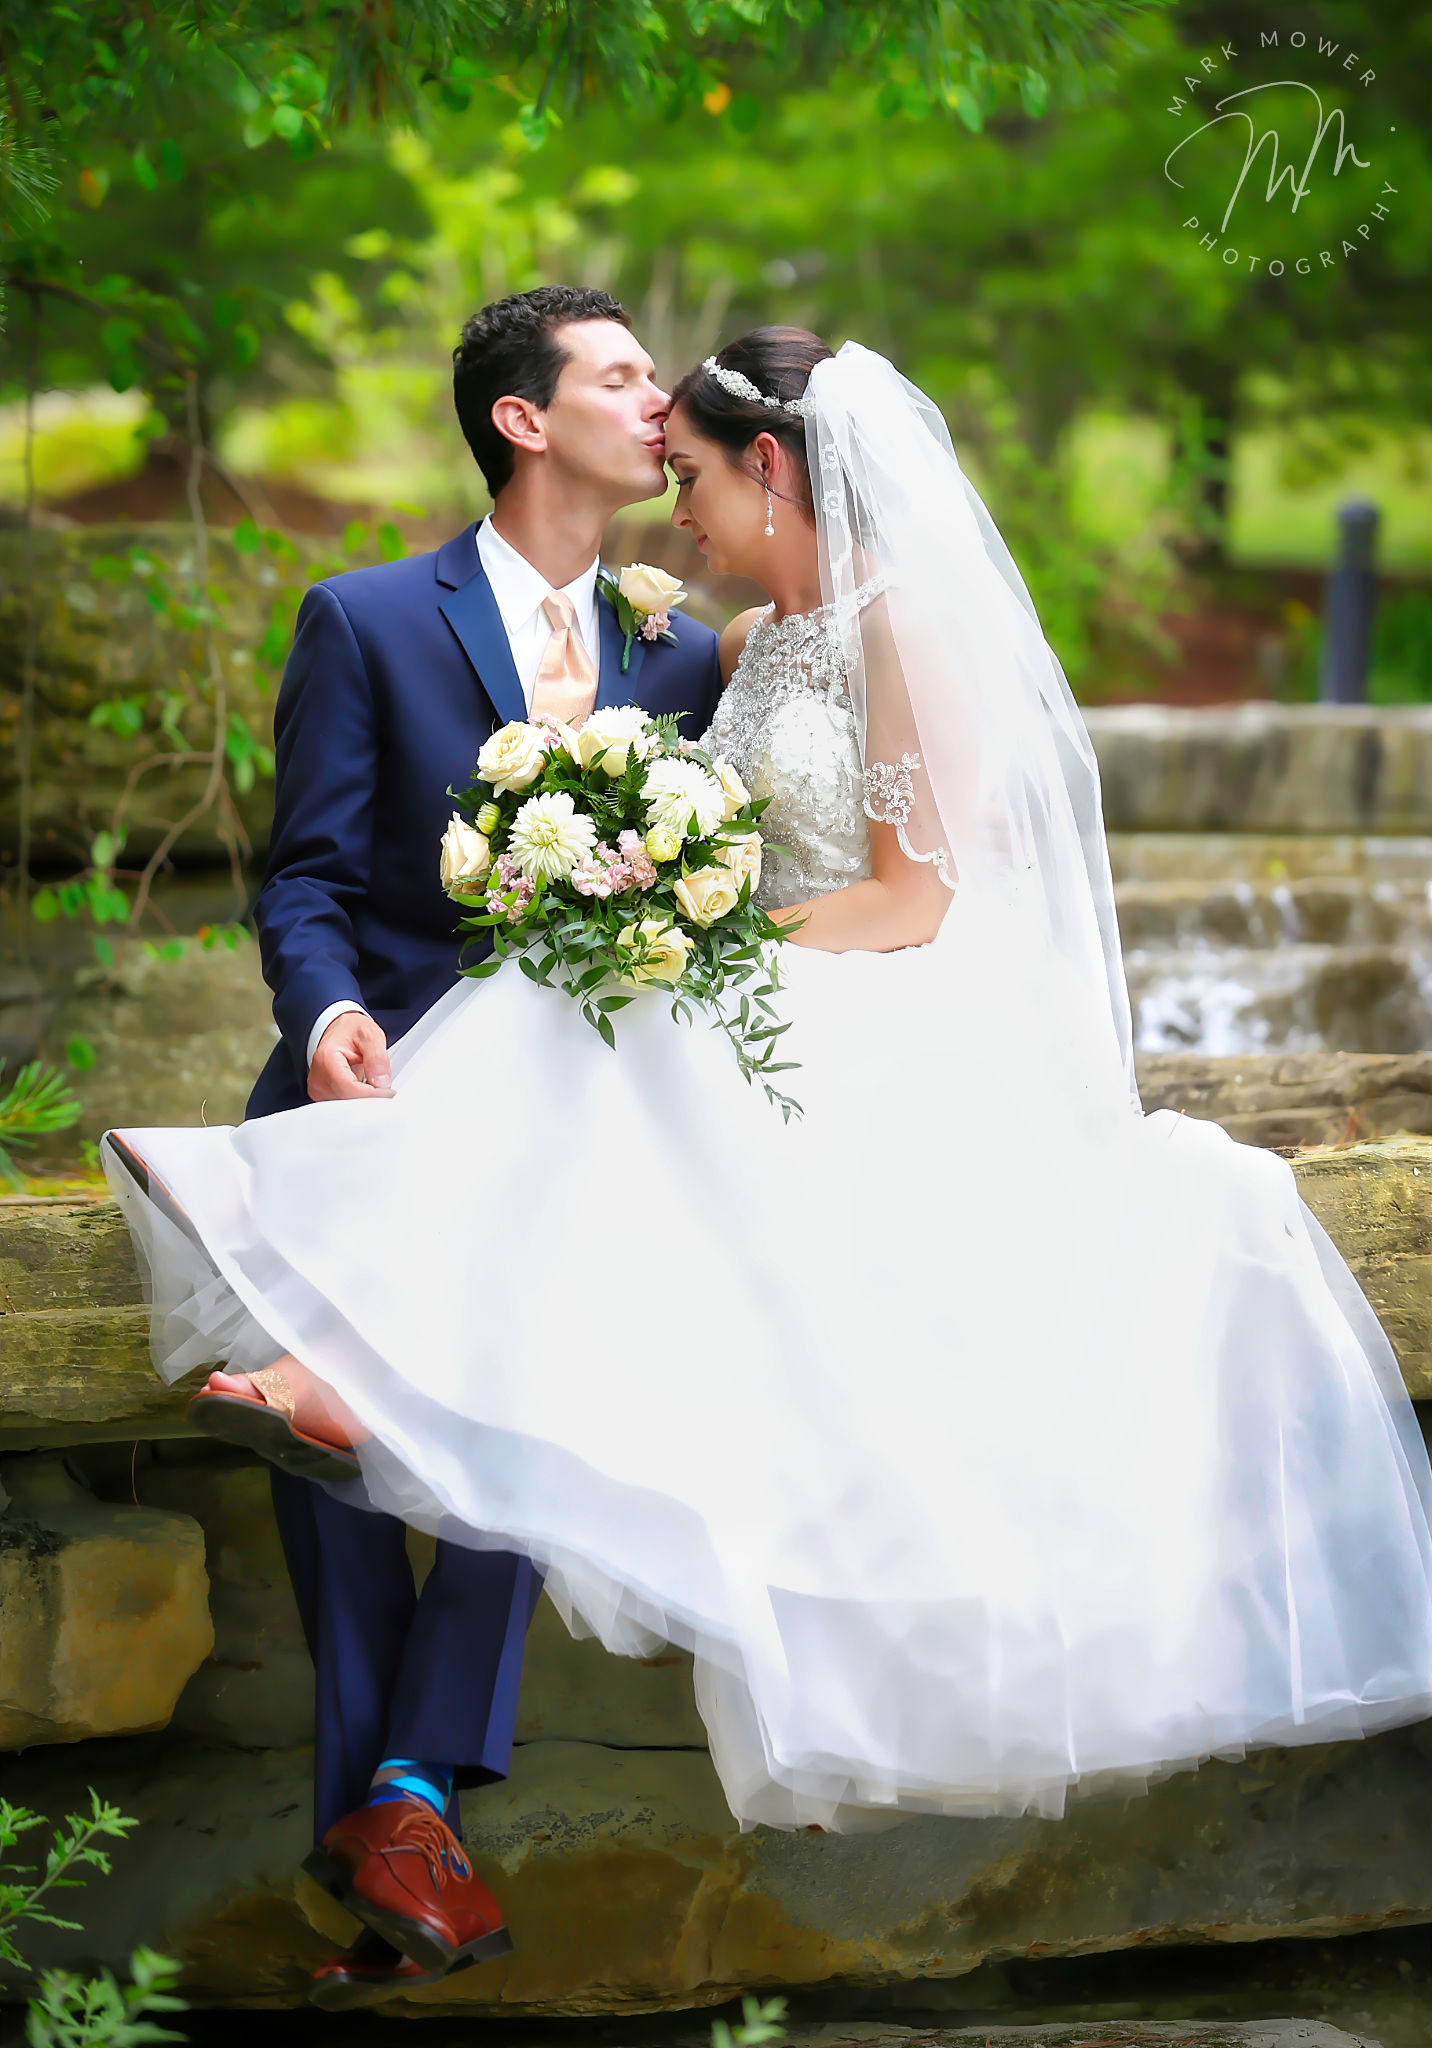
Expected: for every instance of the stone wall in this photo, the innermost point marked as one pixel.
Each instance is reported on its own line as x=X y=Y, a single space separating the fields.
x=97 y=641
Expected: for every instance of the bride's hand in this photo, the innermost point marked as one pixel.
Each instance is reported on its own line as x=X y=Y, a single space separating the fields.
x=350 y=1060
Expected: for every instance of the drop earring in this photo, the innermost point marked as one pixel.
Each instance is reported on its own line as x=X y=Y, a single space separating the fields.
x=770 y=526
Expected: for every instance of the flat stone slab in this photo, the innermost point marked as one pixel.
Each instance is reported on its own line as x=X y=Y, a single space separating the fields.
x=628 y=1888
x=1264 y=768
x=1287 y=1100
x=74 y=1351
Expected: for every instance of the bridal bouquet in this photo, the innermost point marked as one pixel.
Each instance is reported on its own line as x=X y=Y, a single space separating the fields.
x=611 y=857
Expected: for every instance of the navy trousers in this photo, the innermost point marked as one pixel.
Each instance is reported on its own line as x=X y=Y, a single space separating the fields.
x=432 y=1674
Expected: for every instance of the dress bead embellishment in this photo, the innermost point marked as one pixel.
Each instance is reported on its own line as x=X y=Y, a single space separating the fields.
x=786 y=724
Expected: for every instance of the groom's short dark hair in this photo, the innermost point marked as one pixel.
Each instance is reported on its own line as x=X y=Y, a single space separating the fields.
x=511 y=349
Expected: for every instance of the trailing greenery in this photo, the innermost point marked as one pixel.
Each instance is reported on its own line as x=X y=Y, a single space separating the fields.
x=68 y=2011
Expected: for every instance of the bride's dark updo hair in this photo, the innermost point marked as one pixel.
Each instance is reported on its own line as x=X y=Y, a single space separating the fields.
x=778 y=361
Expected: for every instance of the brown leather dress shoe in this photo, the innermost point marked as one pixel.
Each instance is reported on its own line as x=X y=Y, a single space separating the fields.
x=365 y=1974
x=401 y=1870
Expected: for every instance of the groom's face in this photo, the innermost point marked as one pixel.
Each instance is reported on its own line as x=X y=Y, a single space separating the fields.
x=604 y=427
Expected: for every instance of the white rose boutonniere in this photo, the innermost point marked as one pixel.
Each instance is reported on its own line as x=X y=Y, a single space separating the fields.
x=644 y=599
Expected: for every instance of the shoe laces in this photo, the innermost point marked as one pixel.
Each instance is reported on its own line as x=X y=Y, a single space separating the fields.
x=429 y=1835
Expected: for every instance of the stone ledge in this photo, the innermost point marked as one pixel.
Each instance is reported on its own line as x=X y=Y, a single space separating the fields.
x=1287 y=1100
x=74 y=1356
x=1265 y=768
x=628 y=1888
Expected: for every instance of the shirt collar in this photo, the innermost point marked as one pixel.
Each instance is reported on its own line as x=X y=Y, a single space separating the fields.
x=519 y=588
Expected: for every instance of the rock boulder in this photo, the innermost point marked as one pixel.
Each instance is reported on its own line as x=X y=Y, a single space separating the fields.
x=104 y=1609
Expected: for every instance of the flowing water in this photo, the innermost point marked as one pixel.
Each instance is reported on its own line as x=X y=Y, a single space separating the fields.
x=1236 y=945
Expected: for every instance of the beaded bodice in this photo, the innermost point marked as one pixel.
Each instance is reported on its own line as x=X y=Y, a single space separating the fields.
x=786 y=725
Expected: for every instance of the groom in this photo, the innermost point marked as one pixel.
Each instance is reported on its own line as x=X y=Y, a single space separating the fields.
x=397 y=676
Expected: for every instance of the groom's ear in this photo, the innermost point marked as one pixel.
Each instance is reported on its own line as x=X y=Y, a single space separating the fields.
x=521 y=422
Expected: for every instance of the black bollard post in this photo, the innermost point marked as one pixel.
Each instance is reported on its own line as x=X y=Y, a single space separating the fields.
x=1349 y=598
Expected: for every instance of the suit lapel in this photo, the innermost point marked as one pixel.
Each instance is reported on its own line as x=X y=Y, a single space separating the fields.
x=612 y=686
x=470 y=609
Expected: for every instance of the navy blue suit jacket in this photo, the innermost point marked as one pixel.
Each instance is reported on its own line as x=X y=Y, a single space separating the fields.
x=396 y=677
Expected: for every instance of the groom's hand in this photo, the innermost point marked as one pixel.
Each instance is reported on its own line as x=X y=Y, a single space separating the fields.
x=350 y=1059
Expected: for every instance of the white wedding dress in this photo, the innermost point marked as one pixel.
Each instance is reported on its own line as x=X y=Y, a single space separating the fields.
x=976 y=1453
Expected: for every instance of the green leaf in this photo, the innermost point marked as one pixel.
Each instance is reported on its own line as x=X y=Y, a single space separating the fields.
x=287 y=121
x=244 y=345
x=144 y=171
x=44 y=905
x=354 y=535
x=391 y=544
x=1033 y=91
x=969 y=109
x=171 y=160
x=532 y=124
x=744 y=113
x=246 y=537
x=80 y=1054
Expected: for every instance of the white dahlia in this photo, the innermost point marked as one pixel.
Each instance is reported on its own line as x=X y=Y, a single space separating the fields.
x=675 y=789
x=549 y=836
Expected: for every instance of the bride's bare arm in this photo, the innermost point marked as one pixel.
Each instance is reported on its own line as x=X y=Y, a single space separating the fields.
x=901 y=904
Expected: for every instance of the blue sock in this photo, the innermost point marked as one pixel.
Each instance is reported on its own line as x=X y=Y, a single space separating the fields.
x=405 y=1777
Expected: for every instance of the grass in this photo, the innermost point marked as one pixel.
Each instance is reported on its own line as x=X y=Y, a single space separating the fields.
x=1276 y=519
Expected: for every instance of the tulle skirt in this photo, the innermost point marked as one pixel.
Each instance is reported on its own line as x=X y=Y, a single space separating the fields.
x=981 y=1445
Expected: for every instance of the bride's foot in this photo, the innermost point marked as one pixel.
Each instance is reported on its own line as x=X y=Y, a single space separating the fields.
x=286 y=1414
x=309 y=1403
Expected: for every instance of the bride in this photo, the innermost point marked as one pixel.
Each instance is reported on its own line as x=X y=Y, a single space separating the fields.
x=983 y=1437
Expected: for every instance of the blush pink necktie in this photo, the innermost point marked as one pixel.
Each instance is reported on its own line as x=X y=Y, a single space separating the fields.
x=566 y=683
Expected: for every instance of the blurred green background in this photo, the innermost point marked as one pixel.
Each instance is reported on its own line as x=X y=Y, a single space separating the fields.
x=1163 y=439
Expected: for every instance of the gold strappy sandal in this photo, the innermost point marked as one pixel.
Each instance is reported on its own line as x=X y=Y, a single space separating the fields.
x=266 y=1426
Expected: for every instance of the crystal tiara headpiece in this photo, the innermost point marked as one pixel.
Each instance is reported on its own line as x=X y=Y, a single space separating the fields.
x=740 y=386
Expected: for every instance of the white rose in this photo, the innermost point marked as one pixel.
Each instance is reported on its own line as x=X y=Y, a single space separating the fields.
x=732 y=787
x=611 y=736
x=550 y=836
x=675 y=789
x=650 y=590
x=667 y=951
x=465 y=859
x=513 y=757
x=707 y=894
x=741 y=856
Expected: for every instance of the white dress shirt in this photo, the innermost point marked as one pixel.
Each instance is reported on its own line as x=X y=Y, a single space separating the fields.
x=519 y=590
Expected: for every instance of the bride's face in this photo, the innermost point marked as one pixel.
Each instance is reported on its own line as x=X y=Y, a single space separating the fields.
x=721 y=499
